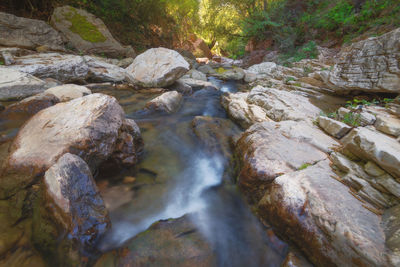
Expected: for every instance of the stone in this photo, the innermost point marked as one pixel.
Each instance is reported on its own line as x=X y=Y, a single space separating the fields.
x=72 y=202
x=15 y=84
x=93 y=127
x=196 y=75
x=373 y=169
x=370 y=65
x=206 y=69
x=174 y=242
x=388 y=125
x=87 y=33
x=321 y=216
x=333 y=127
x=282 y=105
x=181 y=87
x=241 y=112
x=265 y=152
x=8 y=58
x=371 y=145
x=236 y=74
x=168 y=102
x=157 y=67
x=68 y=68
x=198 y=84
x=68 y=92
x=28 y=107
x=28 y=33
x=201 y=49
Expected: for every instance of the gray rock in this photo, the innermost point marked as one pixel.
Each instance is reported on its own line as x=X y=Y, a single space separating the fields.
x=181 y=87
x=370 y=65
x=196 y=75
x=68 y=92
x=28 y=33
x=236 y=74
x=97 y=40
x=197 y=84
x=157 y=67
x=15 y=84
x=168 y=102
x=206 y=69
x=333 y=127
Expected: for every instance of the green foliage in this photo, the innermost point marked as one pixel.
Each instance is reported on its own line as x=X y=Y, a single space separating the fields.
x=332 y=115
x=352 y=119
x=356 y=102
x=289 y=79
x=304 y=166
x=308 y=50
x=86 y=30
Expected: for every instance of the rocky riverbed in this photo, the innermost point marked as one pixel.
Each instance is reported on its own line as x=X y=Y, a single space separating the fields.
x=159 y=160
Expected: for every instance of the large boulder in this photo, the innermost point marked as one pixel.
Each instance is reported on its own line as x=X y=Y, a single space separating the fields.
x=93 y=127
x=268 y=150
x=87 y=33
x=28 y=33
x=15 y=84
x=68 y=92
x=370 y=65
x=68 y=68
x=71 y=202
x=157 y=67
x=166 y=243
x=325 y=220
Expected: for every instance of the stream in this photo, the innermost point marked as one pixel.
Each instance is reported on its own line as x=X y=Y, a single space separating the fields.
x=177 y=175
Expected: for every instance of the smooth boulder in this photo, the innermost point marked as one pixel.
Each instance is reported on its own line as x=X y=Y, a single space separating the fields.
x=168 y=102
x=28 y=33
x=87 y=33
x=68 y=92
x=157 y=67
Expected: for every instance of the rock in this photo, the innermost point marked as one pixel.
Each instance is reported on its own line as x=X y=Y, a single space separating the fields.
x=157 y=67
x=198 y=84
x=241 y=112
x=293 y=260
x=68 y=92
x=93 y=127
x=181 y=87
x=388 y=124
x=271 y=56
x=206 y=69
x=281 y=105
x=371 y=145
x=174 y=242
x=216 y=133
x=72 y=202
x=236 y=74
x=87 y=33
x=196 y=75
x=8 y=59
x=15 y=84
x=333 y=127
x=321 y=216
x=28 y=33
x=268 y=150
x=370 y=65
x=255 y=57
x=391 y=220
x=168 y=102
x=28 y=107
x=201 y=49
x=68 y=68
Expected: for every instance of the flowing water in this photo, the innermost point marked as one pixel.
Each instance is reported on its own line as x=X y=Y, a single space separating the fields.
x=176 y=176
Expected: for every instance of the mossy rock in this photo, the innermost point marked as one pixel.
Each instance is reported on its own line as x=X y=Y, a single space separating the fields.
x=85 y=29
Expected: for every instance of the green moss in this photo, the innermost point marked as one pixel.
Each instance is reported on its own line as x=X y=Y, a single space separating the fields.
x=221 y=70
x=304 y=166
x=86 y=30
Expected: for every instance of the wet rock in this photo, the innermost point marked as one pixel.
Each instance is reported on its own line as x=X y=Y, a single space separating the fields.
x=93 y=38
x=157 y=67
x=268 y=150
x=282 y=105
x=89 y=126
x=71 y=202
x=28 y=107
x=166 y=243
x=216 y=133
x=333 y=127
x=28 y=33
x=324 y=219
x=181 y=87
x=206 y=69
x=371 y=145
x=168 y=102
x=241 y=112
x=198 y=84
x=370 y=65
x=15 y=84
x=293 y=260
x=68 y=92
